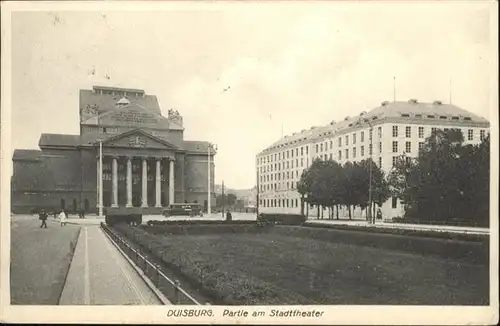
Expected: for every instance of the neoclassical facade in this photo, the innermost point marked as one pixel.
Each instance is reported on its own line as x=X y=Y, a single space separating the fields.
x=145 y=160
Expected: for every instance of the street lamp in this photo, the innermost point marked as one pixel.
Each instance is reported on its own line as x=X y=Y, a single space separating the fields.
x=210 y=147
x=371 y=220
x=100 y=184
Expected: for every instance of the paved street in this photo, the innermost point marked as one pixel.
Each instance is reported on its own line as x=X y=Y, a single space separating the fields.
x=100 y=275
x=94 y=220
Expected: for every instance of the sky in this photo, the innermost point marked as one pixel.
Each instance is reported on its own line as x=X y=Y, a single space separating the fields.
x=243 y=74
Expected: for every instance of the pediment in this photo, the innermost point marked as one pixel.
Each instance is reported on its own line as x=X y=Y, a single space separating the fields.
x=138 y=139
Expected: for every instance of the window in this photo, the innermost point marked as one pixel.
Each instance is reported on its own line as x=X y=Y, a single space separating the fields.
x=394 y=161
x=380 y=162
x=301 y=162
x=340 y=141
x=340 y=155
x=331 y=144
x=317 y=148
x=292 y=153
x=394 y=146
x=347 y=154
x=470 y=134
x=296 y=152
x=370 y=134
x=394 y=202
x=362 y=151
x=354 y=152
x=482 y=134
x=408 y=147
x=353 y=138
x=321 y=147
x=379 y=132
x=287 y=154
x=380 y=147
x=362 y=136
x=420 y=132
x=302 y=151
x=420 y=146
x=408 y=132
x=394 y=131
x=347 y=140
x=330 y=156
x=370 y=149
x=307 y=150
x=433 y=130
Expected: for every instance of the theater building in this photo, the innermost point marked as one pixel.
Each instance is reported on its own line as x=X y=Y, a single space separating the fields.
x=146 y=161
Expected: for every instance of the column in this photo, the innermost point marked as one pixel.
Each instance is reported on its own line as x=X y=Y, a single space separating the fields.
x=144 y=183
x=129 y=181
x=171 y=190
x=114 y=179
x=158 y=182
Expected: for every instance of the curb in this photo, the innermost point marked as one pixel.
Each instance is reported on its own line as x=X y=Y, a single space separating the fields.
x=72 y=253
x=148 y=282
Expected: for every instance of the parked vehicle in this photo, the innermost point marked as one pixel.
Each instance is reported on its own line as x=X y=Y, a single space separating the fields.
x=183 y=210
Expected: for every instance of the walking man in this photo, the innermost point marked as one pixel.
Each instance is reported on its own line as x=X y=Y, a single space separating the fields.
x=62 y=217
x=43 y=217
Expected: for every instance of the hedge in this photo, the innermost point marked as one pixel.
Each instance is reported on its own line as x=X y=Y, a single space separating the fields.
x=409 y=232
x=283 y=219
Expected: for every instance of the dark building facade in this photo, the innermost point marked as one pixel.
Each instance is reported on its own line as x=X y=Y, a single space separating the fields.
x=146 y=161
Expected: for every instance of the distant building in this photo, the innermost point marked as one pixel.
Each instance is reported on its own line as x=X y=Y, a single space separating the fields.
x=398 y=128
x=146 y=161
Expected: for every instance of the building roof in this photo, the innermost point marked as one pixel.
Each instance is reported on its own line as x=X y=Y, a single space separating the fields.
x=26 y=155
x=413 y=107
x=196 y=146
x=59 y=140
x=398 y=109
x=107 y=102
x=118 y=89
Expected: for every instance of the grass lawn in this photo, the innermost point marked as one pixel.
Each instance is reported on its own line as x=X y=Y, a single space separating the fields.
x=39 y=261
x=271 y=268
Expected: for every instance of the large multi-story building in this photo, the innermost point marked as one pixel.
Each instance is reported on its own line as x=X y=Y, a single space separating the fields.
x=146 y=161
x=384 y=133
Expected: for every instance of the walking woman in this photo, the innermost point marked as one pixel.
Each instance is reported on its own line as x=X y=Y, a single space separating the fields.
x=62 y=217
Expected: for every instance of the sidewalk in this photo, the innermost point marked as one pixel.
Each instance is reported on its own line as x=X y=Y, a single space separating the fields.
x=100 y=275
x=380 y=224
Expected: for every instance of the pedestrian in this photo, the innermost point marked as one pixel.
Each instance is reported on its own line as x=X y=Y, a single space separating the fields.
x=379 y=214
x=229 y=217
x=43 y=217
x=62 y=217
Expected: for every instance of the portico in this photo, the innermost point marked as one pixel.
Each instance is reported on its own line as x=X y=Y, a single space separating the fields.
x=135 y=178
x=138 y=170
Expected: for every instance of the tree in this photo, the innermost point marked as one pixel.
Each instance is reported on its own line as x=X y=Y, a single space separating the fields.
x=448 y=180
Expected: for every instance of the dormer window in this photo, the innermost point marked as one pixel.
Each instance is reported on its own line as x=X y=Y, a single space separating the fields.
x=405 y=115
x=455 y=118
x=431 y=116
x=443 y=117
x=467 y=118
x=418 y=116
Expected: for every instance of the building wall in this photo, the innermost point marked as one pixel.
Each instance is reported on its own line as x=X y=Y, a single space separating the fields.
x=328 y=146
